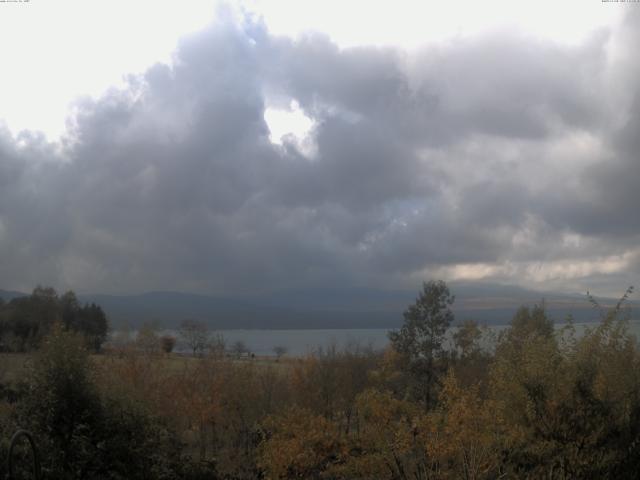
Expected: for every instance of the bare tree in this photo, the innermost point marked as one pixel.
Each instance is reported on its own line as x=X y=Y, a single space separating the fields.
x=195 y=334
x=147 y=339
x=279 y=350
x=167 y=342
x=239 y=348
x=122 y=339
x=217 y=345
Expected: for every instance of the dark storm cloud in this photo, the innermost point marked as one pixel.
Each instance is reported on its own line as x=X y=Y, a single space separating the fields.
x=503 y=84
x=604 y=205
x=420 y=161
x=360 y=166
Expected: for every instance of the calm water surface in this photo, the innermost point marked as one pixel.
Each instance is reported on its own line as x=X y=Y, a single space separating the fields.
x=302 y=342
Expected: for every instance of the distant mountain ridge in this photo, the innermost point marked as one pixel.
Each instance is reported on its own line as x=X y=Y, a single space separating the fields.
x=8 y=295
x=328 y=308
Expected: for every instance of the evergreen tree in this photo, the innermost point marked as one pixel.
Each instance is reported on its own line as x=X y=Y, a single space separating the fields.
x=421 y=337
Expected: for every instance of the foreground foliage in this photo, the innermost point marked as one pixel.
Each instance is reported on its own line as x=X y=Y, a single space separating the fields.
x=541 y=403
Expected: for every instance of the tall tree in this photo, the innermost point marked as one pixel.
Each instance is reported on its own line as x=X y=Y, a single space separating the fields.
x=467 y=338
x=147 y=339
x=195 y=334
x=94 y=325
x=62 y=405
x=70 y=306
x=90 y=320
x=421 y=337
x=529 y=322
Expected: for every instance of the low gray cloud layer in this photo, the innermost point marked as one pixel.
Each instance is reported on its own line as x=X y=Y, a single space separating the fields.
x=498 y=156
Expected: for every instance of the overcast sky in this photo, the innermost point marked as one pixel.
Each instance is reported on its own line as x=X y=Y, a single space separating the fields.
x=242 y=148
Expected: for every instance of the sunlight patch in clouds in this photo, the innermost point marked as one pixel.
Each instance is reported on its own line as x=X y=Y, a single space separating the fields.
x=535 y=273
x=286 y=122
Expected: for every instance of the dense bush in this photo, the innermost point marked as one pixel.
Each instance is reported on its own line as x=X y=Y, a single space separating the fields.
x=83 y=434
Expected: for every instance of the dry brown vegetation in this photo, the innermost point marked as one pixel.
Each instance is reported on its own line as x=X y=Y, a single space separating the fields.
x=544 y=404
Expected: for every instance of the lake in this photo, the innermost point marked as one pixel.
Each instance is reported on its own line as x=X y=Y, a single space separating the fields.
x=302 y=342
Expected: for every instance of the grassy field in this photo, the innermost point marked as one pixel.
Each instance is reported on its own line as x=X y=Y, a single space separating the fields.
x=13 y=366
